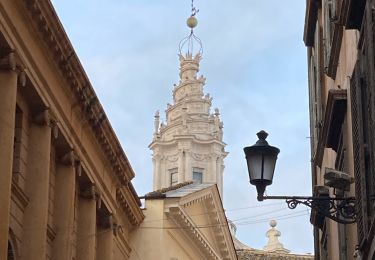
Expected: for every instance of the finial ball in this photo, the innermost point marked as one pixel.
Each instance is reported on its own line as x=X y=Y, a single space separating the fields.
x=273 y=223
x=192 y=22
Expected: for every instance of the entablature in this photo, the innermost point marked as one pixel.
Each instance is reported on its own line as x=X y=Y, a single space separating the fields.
x=45 y=20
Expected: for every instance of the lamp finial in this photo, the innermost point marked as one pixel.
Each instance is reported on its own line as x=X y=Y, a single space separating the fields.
x=262 y=135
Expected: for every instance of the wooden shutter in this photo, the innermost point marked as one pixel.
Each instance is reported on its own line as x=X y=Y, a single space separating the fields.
x=358 y=150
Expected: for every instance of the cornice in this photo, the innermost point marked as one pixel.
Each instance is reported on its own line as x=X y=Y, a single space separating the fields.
x=212 y=202
x=192 y=231
x=53 y=34
x=129 y=205
x=311 y=16
x=173 y=107
x=201 y=80
x=185 y=137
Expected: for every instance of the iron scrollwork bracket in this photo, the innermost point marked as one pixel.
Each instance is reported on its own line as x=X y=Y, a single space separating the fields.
x=341 y=210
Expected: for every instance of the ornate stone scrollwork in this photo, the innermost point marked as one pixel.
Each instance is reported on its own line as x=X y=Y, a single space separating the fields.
x=200 y=157
x=172 y=158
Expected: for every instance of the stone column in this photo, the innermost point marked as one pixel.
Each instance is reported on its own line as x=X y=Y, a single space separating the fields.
x=8 y=93
x=64 y=207
x=34 y=240
x=104 y=250
x=86 y=234
x=163 y=173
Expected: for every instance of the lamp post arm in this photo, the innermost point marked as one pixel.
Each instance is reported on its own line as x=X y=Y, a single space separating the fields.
x=339 y=209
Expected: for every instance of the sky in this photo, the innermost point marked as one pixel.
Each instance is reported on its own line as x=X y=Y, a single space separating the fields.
x=255 y=63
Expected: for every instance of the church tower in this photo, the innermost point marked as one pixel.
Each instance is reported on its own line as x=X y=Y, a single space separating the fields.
x=189 y=146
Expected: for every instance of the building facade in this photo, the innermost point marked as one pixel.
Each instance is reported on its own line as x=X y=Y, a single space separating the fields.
x=184 y=221
x=339 y=35
x=65 y=182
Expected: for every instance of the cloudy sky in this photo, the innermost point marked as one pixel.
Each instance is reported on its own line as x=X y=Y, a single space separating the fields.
x=255 y=64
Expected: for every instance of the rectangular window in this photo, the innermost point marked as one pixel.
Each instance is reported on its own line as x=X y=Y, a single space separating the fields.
x=197 y=175
x=174 y=176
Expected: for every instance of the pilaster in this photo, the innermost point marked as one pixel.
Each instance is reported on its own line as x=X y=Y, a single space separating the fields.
x=181 y=163
x=163 y=173
x=219 y=176
x=64 y=206
x=86 y=234
x=8 y=93
x=34 y=240
x=188 y=168
x=157 y=175
x=213 y=174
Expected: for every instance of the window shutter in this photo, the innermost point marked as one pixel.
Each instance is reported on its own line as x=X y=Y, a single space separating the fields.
x=358 y=150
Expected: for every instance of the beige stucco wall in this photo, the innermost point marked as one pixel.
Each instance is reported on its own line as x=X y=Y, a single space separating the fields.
x=346 y=62
x=159 y=238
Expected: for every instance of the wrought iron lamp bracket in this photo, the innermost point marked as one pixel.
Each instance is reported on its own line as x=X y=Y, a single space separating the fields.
x=339 y=209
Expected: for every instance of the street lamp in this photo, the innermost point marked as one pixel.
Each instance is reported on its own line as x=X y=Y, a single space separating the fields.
x=261 y=161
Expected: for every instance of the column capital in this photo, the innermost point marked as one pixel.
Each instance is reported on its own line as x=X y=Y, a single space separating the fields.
x=89 y=192
x=8 y=61
x=43 y=118
x=107 y=220
x=69 y=159
x=47 y=118
x=92 y=193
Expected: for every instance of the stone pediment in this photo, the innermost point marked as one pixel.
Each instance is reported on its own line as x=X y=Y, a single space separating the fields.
x=200 y=213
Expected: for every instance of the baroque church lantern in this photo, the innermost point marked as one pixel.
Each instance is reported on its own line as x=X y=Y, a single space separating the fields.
x=188 y=145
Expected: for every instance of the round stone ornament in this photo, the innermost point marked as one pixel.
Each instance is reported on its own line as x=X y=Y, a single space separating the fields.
x=192 y=22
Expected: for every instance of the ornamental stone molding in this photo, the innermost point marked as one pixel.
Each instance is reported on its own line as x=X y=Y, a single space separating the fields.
x=58 y=46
